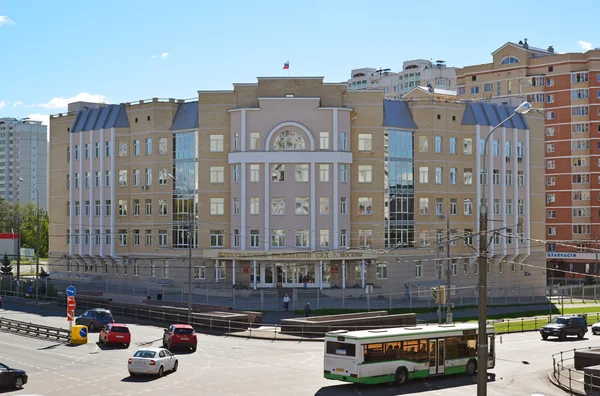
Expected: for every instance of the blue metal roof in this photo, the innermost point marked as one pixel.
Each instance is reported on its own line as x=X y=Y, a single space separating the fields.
x=397 y=114
x=186 y=117
x=490 y=114
x=111 y=116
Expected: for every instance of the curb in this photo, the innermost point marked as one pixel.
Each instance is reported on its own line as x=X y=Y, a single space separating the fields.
x=273 y=338
x=554 y=382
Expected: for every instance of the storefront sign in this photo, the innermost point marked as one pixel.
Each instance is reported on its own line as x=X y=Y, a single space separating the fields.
x=561 y=255
x=333 y=255
x=573 y=256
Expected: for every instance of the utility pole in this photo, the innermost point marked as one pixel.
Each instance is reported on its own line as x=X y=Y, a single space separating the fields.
x=448 y=275
x=190 y=244
x=596 y=265
x=19 y=252
x=438 y=269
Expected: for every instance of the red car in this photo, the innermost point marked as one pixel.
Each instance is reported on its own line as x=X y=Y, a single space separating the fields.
x=180 y=336
x=115 y=333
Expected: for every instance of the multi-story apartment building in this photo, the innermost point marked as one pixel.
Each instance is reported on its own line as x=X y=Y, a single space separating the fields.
x=292 y=182
x=23 y=154
x=368 y=78
x=423 y=73
x=567 y=88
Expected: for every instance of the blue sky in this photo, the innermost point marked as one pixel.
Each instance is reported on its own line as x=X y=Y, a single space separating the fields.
x=54 y=51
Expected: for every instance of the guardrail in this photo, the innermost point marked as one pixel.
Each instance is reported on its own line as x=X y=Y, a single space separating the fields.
x=568 y=378
x=521 y=325
x=34 y=330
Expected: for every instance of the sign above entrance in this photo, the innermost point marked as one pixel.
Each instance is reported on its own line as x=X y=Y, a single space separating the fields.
x=299 y=256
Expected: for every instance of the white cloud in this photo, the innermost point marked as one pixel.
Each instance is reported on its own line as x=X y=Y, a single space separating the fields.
x=2 y=104
x=62 y=103
x=45 y=118
x=154 y=56
x=164 y=55
x=4 y=20
x=17 y=103
x=585 y=45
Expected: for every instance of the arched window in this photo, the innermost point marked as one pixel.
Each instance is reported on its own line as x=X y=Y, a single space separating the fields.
x=289 y=141
x=509 y=60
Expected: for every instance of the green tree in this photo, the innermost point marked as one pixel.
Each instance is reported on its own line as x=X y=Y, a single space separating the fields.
x=5 y=267
x=9 y=223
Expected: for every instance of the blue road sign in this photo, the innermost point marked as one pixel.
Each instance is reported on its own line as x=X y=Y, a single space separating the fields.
x=83 y=332
x=71 y=291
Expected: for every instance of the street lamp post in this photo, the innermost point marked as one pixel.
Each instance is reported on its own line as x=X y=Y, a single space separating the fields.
x=482 y=351
x=190 y=239
x=37 y=243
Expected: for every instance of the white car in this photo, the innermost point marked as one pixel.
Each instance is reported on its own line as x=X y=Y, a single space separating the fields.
x=596 y=328
x=155 y=361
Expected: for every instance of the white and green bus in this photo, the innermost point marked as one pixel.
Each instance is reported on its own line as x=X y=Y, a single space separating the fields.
x=396 y=355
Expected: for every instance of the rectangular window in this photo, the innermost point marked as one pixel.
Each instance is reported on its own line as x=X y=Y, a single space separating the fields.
x=302 y=206
x=278 y=206
x=365 y=173
x=520 y=178
x=439 y=206
x=324 y=238
x=149 y=146
x=76 y=180
x=324 y=140
x=97 y=208
x=509 y=207
x=343 y=141
x=254 y=238
x=122 y=177
x=278 y=238
x=199 y=272
x=108 y=207
x=235 y=174
x=496 y=177
x=162 y=177
x=418 y=269
x=439 y=177
x=580 y=127
x=87 y=208
x=162 y=207
x=550 y=181
x=423 y=175
x=302 y=238
x=438 y=144
x=254 y=205
x=163 y=145
x=136 y=148
x=122 y=207
x=343 y=238
x=424 y=206
x=107 y=177
x=107 y=237
x=577 y=78
x=278 y=173
x=508 y=178
x=365 y=142
x=496 y=207
x=254 y=173
x=423 y=144
x=217 y=206
x=216 y=143
x=467 y=207
x=324 y=173
x=148 y=237
x=162 y=238
x=453 y=175
x=580 y=144
x=453 y=206
x=236 y=206
x=217 y=174
x=136 y=177
x=344 y=173
x=343 y=207
x=468 y=176
x=148 y=207
x=452 y=145
x=520 y=207
x=324 y=205
x=136 y=207
x=365 y=205
x=217 y=238
x=236 y=141
x=579 y=110
x=122 y=237
x=495 y=147
x=148 y=176
x=254 y=140
x=365 y=238
x=467 y=146
x=302 y=173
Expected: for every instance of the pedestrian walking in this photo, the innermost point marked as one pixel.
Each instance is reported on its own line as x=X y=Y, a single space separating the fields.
x=406 y=292
x=286 y=302
x=307 y=310
x=159 y=295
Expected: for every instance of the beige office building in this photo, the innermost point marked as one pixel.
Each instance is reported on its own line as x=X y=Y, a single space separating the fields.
x=292 y=182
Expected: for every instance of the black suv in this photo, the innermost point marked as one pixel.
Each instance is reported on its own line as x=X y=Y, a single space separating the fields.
x=563 y=326
x=95 y=319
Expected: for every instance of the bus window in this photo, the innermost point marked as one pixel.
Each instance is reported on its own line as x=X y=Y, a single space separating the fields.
x=461 y=347
x=373 y=353
x=340 y=348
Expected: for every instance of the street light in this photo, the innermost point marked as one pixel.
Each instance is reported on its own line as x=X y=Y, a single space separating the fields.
x=37 y=244
x=190 y=235
x=482 y=351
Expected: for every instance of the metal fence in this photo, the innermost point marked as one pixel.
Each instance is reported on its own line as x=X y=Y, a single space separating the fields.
x=568 y=378
x=34 y=330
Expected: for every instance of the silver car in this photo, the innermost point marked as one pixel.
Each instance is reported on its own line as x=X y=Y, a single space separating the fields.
x=154 y=361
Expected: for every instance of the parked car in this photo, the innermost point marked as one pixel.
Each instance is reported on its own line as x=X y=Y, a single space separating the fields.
x=563 y=326
x=11 y=378
x=596 y=328
x=155 y=361
x=180 y=336
x=115 y=333
x=95 y=319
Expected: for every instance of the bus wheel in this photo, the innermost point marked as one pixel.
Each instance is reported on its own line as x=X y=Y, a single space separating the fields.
x=471 y=367
x=401 y=375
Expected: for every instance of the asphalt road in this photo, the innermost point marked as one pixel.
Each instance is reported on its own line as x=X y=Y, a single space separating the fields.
x=237 y=366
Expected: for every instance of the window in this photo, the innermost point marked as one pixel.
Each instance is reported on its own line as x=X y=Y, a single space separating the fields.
x=107 y=149
x=344 y=173
x=343 y=207
x=149 y=146
x=122 y=237
x=520 y=207
x=509 y=207
x=508 y=178
x=254 y=205
x=343 y=141
x=453 y=175
x=148 y=239
x=439 y=206
x=579 y=93
x=302 y=238
x=508 y=60
x=162 y=207
x=136 y=177
x=289 y=141
x=453 y=206
x=381 y=271
x=236 y=238
x=488 y=87
x=581 y=228
x=107 y=177
x=365 y=238
x=474 y=89
x=467 y=207
x=76 y=180
x=424 y=206
x=438 y=144
x=216 y=143
x=76 y=152
x=236 y=141
x=496 y=207
x=122 y=177
x=549 y=115
x=235 y=174
x=87 y=151
x=496 y=177
x=162 y=238
x=254 y=140
x=439 y=175
x=97 y=238
x=495 y=147
x=122 y=207
x=418 y=269
x=580 y=178
x=199 y=272
x=549 y=82
x=97 y=208
x=581 y=212
x=580 y=161
x=423 y=144
x=278 y=172
x=550 y=181
x=324 y=205
x=217 y=174
x=365 y=142
x=324 y=140
x=148 y=207
x=452 y=145
x=302 y=173
x=550 y=197
x=365 y=205
x=551 y=230
x=236 y=206
x=324 y=173
x=136 y=148
x=278 y=238
x=217 y=238
x=302 y=206
x=580 y=144
x=217 y=206
x=550 y=164
x=580 y=127
x=254 y=238
x=254 y=173
x=423 y=175
x=87 y=208
x=551 y=214
x=324 y=238
x=365 y=173
x=162 y=177
x=148 y=176
x=278 y=206
x=468 y=176
x=343 y=238
x=580 y=196
x=467 y=146
x=107 y=208
x=520 y=178
x=579 y=110
x=579 y=77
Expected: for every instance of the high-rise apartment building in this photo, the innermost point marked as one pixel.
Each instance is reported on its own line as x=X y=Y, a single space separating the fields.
x=292 y=181
x=567 y=88
x=23 y=154
x=368 y=78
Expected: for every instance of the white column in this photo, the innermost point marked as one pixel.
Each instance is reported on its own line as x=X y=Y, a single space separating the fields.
x=81 y=184
x=255 y=282
x=233 y=272
x=115 y=205
x=336 y=226
x=336 y=135
x=313 y=223
x=343 y=274
x=527 y=172
x=217 y=271
x=477 y=177
x=92 y=202
x=102 y=187
x=70 y=187
x=243 y=131
x=267 y=205
x=515 y=187
x=503 y=155
x=243 y=205
x=490 y=166
x=321 y=274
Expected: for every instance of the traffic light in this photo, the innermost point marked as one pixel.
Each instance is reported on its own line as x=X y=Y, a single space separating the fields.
x=442 y=294
x=434 y=294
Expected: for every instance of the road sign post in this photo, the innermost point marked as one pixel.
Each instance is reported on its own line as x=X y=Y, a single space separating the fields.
x=71 y=305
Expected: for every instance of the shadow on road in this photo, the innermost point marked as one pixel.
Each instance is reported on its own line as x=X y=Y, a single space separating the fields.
x=110 y=347
x=50 y=347
x=143 y=378
x=415 y=386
